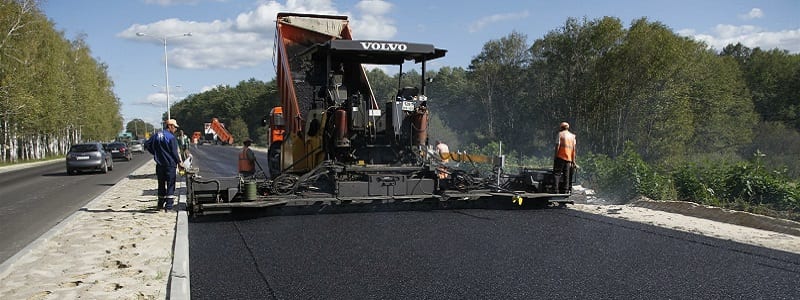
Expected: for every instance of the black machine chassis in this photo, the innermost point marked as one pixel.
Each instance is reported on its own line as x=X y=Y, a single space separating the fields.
x=408 y=189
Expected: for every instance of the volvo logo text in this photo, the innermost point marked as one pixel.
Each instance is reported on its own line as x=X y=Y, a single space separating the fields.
x=384 y=46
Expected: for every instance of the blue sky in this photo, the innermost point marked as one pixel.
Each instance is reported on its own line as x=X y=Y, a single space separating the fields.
x=232 y=40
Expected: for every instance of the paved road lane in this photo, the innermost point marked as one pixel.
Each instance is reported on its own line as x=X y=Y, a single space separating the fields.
x=34 y=199
x=476 y=254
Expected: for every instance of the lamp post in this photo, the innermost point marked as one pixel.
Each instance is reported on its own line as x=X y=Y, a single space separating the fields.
x=166 y=63
x=166 y=90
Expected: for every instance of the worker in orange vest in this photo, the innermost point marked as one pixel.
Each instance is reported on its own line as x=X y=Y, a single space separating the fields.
x=564 y=161
x=247 y=160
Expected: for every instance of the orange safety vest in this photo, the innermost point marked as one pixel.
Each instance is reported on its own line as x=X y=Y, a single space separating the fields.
x=245 y=164
x=565 y=147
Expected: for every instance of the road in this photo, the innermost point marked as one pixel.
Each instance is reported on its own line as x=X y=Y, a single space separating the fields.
x=33 y=200
x=471 y=254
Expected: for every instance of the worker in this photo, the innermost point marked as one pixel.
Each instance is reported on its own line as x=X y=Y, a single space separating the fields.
x=164 y=148
x=247 y=160
x=183 y=144
x=444 y=154
x=565 y=157
x=443 y=151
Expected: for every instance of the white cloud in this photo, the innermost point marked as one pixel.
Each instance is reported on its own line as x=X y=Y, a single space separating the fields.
x=374 y=7
x=177 y=2
x=754 y=13
x=216 y=44
x=247 y=39
x=208 y=88
x=486 y=21
x=373 y=28
x=373 y=24
x=159 y=99
x=749 y=36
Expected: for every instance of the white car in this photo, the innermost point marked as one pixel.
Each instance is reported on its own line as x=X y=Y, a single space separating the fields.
x=136 y=147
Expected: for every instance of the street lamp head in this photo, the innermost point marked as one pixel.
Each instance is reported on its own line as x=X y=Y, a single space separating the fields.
x=187 y=34
x=140 y=34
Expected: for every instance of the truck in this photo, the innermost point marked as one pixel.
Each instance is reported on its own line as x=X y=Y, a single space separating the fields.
x=334 y=145
x=197 y=138
x=216 y=133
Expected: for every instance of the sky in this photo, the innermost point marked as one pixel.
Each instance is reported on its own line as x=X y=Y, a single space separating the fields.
x=232 y=41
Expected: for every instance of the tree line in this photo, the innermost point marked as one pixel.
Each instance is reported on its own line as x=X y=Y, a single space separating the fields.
x=52 y=91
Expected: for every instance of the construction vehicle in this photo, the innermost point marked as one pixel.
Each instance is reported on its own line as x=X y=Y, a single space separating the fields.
x=217 y=134
x=197 y=138
x=335 y=145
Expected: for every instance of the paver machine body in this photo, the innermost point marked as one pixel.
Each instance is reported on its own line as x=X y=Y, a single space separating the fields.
x=333 y=142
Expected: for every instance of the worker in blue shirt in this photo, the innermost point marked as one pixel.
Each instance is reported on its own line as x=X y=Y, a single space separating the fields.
x=164 y=147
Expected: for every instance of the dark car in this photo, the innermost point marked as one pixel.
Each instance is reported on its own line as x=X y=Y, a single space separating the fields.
x=88 y=157
x=119 y=150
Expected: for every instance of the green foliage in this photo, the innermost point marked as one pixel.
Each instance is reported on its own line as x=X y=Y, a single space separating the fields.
x=625 y=177
x=238 y=128
x=781 y=146
x=773 y=78
x=702 y=183
x=743 y=185
x=250 y=101
x=750 y=182
x=52 y=91
x=138 y=127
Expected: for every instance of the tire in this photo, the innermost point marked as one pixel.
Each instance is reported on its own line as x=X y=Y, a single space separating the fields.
x=104 y=168
x=70 y=172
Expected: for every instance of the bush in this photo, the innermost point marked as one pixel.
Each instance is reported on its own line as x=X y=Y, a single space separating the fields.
x=700 y=183
x=751 y=183
x=625 y=177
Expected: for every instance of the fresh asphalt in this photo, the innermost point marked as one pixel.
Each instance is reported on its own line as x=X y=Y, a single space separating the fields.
x=473 y=254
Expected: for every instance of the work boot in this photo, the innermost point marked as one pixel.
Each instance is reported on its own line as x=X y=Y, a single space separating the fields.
x=170 y=201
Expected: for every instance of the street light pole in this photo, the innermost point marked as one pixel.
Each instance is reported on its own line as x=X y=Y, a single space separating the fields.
x=166 y=64
x=166 y=90
x=166 y=75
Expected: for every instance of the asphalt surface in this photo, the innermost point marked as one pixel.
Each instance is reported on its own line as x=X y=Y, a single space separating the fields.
x=35 y=197
x=475 y=254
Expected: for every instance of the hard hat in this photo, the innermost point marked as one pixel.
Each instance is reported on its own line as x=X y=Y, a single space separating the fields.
x=564 y=125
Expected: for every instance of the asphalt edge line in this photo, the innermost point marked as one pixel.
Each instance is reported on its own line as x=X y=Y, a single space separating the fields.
x=179 y=287
x=7 y=265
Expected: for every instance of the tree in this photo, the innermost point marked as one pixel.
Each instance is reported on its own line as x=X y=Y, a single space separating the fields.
x=773 y=78
x=138 y=127
x=52 y=92
x=495 y=74
x=238 y=128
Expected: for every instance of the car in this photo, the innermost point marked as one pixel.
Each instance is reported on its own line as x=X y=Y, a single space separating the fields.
x=88 y=157
x=119 y=150
x=136 y=146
